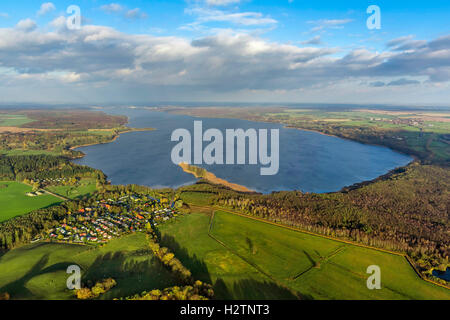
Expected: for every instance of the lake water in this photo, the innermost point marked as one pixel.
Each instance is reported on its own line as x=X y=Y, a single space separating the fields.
x=442 y=275
x=309 y=161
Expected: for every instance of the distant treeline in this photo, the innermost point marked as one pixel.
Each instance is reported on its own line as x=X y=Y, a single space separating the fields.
x=58 y=142
x=23 y=229
x=422 y=145
x=40 y=167
x=71 y=119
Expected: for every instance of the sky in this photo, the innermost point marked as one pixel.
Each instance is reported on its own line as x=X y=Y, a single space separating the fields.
x=259 y=51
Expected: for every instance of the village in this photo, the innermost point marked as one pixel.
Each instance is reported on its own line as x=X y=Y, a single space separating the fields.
x=110 y=219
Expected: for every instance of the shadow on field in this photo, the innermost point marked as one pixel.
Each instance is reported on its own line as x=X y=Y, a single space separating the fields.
x=104 y=266
x=246 y=289
x=17 y=289
x=134 y=272
x=250 y=289
x=310 y=259
x=198 y=268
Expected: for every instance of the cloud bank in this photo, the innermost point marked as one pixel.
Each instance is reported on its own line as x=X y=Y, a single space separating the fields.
x=103 y=64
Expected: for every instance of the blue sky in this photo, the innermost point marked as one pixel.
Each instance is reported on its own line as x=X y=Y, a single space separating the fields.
x=234 y=39
x=425 y=19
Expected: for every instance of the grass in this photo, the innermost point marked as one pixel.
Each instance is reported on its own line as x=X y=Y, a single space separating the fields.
x=311 y=266
x=22 y=152
x=208 y=261
x=281 y=254
x=15 y=202
x=85 y=187
x=421 y=138
x=13 y=120
x=38 y=271
x=198 y=198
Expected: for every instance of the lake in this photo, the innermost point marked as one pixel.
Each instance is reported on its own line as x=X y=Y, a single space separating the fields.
x=309 y=161
x=442 y=275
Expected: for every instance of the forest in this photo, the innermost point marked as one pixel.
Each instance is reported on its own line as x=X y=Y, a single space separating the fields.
x=404 y=212
x=427 y=140
x=68 y=119
x=41 y=167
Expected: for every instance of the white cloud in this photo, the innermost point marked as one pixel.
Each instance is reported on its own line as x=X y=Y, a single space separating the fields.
x=399 y=41
x=224 y=64
x=131 y=14
x=403 y=82
x=135 y=14
x=329 y=24
x=221 y=2
x=4 y=15
x=112 y=8
x=45 y=8
x=314 y=41
x=59 y=22
x=26 y=25
x=239 y=18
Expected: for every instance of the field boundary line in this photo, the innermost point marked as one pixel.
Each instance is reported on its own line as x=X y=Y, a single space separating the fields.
x=255 y=266
x=49 y=192
x=56 y=195
x=405 y=256
x=321 y=260
x=310 y=233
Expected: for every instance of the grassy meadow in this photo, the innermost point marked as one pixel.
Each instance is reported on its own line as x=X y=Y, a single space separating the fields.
x=84 y=187
x=232 y=277
x=198 y=198
x=309 y=266
x=419 y=131
x=13 y=120
x=14 y=201
x=38 y=271
x=243 y=259
x=23 y=152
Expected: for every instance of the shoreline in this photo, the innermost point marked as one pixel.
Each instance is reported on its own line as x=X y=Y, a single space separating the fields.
x=113 y=139
x=211 y=177
x=287 y=126
x=344 y=189
x=240 y=188
x=415 y=158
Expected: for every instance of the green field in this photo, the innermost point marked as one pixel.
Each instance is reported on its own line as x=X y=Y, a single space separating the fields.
x=198 y=198
x=38 y=271
x=21 y=152
x=418 y=131
x=311 y=266
x=85 y=187
x=13 y=120
x=15 y=202
x=208 y=261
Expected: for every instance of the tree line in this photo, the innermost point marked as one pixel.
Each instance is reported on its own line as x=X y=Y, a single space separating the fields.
x=406 y=212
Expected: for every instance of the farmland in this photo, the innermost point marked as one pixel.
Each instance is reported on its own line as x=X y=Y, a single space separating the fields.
x=310 y=266
x=38 y=271
x=209 y=261
x=14 y=201
x=13 y=120
x=83 y=187
x=243 y=258
x=422 y=133
x=57 y=132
